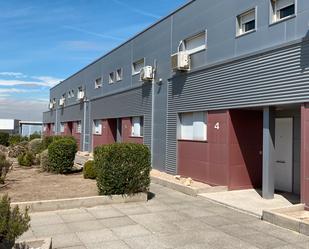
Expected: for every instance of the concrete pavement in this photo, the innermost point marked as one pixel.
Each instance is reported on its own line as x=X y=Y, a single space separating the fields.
x=169 y=220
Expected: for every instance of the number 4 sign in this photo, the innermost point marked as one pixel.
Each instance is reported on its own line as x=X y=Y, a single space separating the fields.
x=217 y=126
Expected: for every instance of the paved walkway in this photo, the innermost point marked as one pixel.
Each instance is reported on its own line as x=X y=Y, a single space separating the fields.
x=170 y=220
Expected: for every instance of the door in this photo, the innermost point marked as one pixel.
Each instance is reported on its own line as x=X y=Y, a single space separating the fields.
x=284 y=154
x=119 y=130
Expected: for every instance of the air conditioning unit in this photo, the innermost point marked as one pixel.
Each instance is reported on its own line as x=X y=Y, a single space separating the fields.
x=181 y=61
x=61 y=101
x=81 y=95
x=146 y=73
x=51 y=105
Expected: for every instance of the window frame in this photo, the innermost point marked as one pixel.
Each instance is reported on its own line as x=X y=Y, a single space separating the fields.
x=79 y=127
x=111 y=77
x=134 y=72
x=96 y=85
x=94 y=131
x=273 y=13
x=193 y=139
x=141 y=126
x=62 y=127
x=198 y=49
x=239 y=24
x=119 y=77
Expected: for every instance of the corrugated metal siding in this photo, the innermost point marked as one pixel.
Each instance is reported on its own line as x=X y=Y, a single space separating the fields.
x=134 y=102
x=280 y=76
x=49 y=116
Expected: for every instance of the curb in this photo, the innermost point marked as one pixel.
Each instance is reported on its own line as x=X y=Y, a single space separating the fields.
x=53 y=205
x=42 y=243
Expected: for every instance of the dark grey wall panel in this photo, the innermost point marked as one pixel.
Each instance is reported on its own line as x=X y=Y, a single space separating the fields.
x=71 y=113
x=49 y=117
x=277 y=77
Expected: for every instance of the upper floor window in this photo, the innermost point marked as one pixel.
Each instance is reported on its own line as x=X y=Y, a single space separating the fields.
x=97 y=127
x=119 y=74
x=111 y=78
x=72 y=93
x=281 y=9
x=192 y=126
x=195 y=43
x=98 y=83
x=137 y=66
x=246 y=22
x=137 y=126
x=61 y=127
x=78 y=126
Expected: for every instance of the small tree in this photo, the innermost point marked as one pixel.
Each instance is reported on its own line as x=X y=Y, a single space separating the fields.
x=4 y=167
x=13 y=223
x=4 y=139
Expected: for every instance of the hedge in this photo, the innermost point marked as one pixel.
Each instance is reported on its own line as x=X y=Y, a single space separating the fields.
x=4 y=139
x=61 y=155
x=89 y=171
x=122 y=168
x=16 y=139
x=26 y=159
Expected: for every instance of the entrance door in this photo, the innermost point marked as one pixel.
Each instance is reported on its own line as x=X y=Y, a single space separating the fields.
x=119 y=130
x=284 y=154
x=70 y=128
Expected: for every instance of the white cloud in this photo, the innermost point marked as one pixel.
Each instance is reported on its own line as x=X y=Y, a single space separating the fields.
x=7 y=91
x=47 y=81
x=13 y=74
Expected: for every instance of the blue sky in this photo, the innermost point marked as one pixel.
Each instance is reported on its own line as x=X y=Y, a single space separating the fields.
x=43 y=42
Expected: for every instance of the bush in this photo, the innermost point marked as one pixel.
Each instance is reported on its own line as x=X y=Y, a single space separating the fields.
x=26 y=159
x=47 y=140
x=16 y=151
x=35 y=136
x=16 y=139
x=4 y=139
x=89 y=170
x=3 y=149
x=122 y=168
x=61 y=155
x=13 y=223
x=4 y=167
x=36 y=146
x=44 y=163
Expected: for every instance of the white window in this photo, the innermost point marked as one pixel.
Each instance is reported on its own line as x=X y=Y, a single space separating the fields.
x=97 y=127
x=137 y=126
x=281 y=9
x=111 y=78
x=79 y=127
x=61 y=127
x=195 y=43
x=69 y=94
x=54 y=128
x=137 y=66
x=192 y=126
x=246 y=22
x=119 y=74
x=98 y=83
x=80 y=93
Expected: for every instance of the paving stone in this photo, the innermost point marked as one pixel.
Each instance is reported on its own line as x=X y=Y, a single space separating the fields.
x=66 y=240
x=117 y=222
x=27 y=235
x=82 y=226
x=130 y=231
x=89 y=237
x=77 y=217
x=133 y=210
x=193 y=225
x=105 y=213
x=237 y=230
x=41 y=219
x=74 y=247
x=197 y=212
x=108 y=245
x=286 y=235
x=149 y=242
x=264 y=241
x=216 y=220
x=50 y=230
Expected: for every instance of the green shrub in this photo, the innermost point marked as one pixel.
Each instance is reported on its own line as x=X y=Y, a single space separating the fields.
x=122 y=168
x=17 y=150
x=26 y=159
x=35 y=136
x=13 y=223
x=47 y=140
x=61 y=155
x=89 y=170
x=44 y=163
x=16 y=139
x=4 y=167
x=36 y=146
x=4 y=139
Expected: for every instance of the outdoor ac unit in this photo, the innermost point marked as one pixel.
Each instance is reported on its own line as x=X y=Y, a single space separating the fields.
x=146 y=73
x=181 y=61
x=61 y=101
x=51 y=105
x=81 y=95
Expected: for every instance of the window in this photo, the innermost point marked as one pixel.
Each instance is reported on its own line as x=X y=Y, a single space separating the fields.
x=246 y=22
x=137 y=66
x=79 y=127
x=61 y=127
x=137 y=126
x=98 y=83
x=281 y=9
x=69 y=94
x=97 y=127
x=195 y=43
x=54 y=128
x=119 y=74
x=192 y=126
x=111 y=78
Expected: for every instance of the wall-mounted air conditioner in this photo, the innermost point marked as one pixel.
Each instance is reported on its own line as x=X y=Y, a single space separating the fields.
x=61 y=101
x=181 y=61
x=81 y=95
x=51 y=105
x=146 y=73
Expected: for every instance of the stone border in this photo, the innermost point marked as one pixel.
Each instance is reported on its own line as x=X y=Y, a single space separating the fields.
x=277 y=217
x=43 y=243
x=189 y=190
x=53 y=205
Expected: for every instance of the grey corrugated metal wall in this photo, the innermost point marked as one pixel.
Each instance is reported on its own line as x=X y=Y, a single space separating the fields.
x=134 y=102
x=276 y=77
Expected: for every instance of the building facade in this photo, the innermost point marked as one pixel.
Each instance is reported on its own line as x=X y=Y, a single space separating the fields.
x=233 y=112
